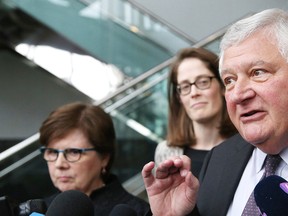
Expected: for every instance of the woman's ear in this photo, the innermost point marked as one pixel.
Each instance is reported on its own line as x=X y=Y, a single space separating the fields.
x=105 y=160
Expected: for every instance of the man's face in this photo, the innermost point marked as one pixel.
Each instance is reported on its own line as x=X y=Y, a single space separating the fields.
x=256 y=79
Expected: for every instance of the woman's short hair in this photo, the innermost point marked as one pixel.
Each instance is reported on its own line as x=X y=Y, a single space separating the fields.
x=92 y=120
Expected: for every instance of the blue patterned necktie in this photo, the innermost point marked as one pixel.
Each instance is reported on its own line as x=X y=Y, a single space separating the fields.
x=270 y=165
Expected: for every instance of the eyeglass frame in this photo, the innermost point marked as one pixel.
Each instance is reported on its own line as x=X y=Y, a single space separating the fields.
x=64 y=151
x=178 y=87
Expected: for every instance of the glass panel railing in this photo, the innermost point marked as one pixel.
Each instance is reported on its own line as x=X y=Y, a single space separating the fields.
x=24 y=175
x=145 y=109
x=136 y=18
x=109 y=37
x=58 y=54
x=133 y=150
x=139 y=113
x=136 y=145
x=144 y=106
x=128 y=90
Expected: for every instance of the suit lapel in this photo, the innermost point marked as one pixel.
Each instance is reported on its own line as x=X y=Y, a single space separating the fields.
x=233 y=170
x=221 y=174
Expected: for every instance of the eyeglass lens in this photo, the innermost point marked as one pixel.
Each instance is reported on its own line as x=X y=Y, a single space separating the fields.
x=71 y=155
x=200 y=83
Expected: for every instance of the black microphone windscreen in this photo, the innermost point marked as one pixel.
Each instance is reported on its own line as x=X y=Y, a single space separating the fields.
x=34 y=205
x=271 y=196
x=6 y=206
x=72 y=203
x=123 y=209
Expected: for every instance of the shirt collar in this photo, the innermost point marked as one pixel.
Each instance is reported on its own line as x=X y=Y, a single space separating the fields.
x=284 y=155
x=260 y=158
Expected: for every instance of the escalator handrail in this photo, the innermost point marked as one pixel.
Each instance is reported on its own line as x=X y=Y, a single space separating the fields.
x=164 y=64
x=156 y=69
x=14 y=149
x=135 y=81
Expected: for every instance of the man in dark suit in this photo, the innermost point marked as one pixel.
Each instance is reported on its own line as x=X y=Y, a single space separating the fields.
x=254 y=70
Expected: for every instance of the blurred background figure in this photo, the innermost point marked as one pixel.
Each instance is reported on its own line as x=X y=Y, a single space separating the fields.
x=198 y=118
x=79 y=146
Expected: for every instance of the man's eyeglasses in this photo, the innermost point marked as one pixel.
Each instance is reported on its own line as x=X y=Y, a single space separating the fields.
x=70 y=154
x=202 y=83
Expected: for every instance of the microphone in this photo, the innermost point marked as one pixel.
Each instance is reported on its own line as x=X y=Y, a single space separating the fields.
x=123 y=209
x=271 y=196
x=9 y=207
x=30 y=206
x=72 y=203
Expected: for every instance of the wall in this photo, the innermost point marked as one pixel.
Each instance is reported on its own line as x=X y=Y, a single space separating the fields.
x=199 y=19
x=28 y=94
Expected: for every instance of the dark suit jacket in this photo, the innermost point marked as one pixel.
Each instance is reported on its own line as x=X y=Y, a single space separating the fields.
x=220 y=176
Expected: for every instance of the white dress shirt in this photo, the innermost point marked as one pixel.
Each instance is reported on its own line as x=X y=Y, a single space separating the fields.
x=251 y=176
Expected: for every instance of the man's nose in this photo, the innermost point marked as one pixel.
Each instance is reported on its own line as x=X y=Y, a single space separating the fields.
x=241 y=91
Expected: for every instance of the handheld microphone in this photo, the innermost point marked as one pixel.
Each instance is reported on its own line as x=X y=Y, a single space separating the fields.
x=9 y=207
x=271 y=196
x=123 y=209
x=30 y=206
x=72 y=203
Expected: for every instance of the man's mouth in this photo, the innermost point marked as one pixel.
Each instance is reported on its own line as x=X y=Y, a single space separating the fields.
x=251 y=116
x=249 y=113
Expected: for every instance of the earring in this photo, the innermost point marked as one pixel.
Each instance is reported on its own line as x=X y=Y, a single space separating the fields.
x=103 y=171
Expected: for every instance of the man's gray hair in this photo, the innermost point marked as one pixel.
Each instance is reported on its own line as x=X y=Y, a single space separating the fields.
x=273 y=23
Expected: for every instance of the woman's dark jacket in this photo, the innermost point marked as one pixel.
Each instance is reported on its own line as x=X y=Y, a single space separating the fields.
x=107 y=197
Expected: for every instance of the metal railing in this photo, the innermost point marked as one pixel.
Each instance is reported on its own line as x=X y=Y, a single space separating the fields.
x=18 y=147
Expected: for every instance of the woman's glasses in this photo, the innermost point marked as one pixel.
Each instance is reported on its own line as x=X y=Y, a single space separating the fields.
x=70 y=154
x=202 y=83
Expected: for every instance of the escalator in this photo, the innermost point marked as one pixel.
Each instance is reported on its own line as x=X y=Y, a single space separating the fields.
x=88 y=43
x=139 y=115
x=138 y=106
x=113 y=32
